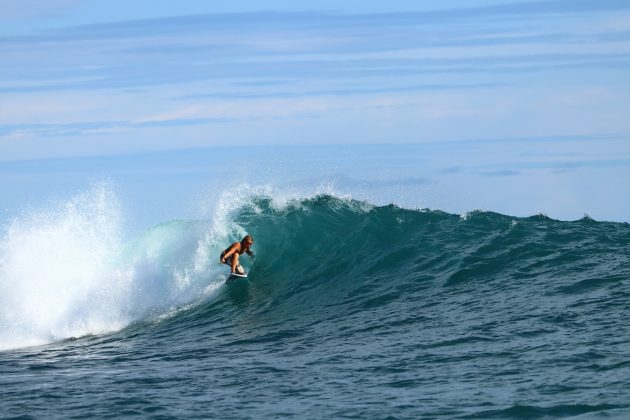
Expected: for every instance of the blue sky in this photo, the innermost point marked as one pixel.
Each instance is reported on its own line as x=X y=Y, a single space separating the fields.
x=97 y=78
x=496 y=96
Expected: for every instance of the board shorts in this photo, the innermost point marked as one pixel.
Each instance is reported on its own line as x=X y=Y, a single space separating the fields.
x=228 y=262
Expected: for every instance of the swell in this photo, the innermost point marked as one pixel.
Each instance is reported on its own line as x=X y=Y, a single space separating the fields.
x=522 y=313
x=318 y=260
x=326 y=239
x=323 y=260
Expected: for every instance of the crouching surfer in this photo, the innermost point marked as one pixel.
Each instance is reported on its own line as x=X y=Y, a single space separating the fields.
x=230 y=255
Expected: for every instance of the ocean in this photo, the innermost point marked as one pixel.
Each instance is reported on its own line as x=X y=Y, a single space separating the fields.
x=361 y=302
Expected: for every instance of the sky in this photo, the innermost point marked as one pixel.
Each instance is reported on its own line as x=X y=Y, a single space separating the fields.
x=112 y=77
x=542 y=81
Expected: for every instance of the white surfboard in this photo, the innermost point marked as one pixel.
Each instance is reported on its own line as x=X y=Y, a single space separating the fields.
x=240 y=272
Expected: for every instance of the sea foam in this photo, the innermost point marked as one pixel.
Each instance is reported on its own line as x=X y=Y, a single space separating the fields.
x=68 y=271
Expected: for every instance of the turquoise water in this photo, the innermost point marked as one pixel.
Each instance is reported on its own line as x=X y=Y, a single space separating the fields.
x=351 y=310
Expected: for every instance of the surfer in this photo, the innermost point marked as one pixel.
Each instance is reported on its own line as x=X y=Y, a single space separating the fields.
x=230 y=255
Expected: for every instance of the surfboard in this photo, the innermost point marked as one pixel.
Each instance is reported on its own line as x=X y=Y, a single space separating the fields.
x=241 y=272
x=234 y=278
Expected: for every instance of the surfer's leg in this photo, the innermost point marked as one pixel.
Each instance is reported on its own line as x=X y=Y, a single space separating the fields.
x=234 y=262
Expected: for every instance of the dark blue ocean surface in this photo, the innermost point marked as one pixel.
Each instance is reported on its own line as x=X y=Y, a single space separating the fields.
x=350 y=311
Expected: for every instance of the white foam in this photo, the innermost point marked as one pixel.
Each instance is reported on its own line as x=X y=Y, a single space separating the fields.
x=67 y=271
x=53 y=277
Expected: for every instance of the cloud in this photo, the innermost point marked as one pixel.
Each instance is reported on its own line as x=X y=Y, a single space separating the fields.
x=500 y=172
x=451 y=170
x=577 y=164
x=520 y=69
x=25 y=9
x=307 y=22
x=101 y=127
x=350 y=182
x=138 y=73
x=312 y=46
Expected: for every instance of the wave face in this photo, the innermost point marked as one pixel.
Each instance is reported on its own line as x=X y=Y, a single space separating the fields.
x=369 y=251
x=350 y=310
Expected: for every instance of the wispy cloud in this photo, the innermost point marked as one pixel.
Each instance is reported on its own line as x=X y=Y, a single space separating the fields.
x=301 y=21
x=21 y=9
x=500 y=172
x=413 y=76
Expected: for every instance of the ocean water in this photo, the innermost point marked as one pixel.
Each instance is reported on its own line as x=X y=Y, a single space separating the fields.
x=352 y=309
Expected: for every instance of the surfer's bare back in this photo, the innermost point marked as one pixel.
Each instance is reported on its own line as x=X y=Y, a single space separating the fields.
x=230 y=255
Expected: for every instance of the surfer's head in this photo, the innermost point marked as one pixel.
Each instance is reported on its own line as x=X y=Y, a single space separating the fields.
x=248 y=240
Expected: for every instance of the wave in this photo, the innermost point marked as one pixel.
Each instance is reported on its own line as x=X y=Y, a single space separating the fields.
x=70 y=272
x=375 y=255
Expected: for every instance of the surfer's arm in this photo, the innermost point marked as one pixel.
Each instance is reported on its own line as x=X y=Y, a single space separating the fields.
x=250 y=253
